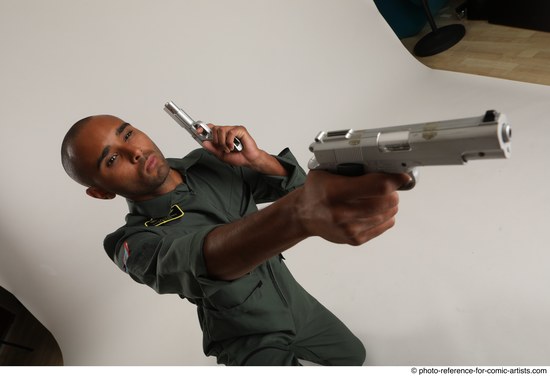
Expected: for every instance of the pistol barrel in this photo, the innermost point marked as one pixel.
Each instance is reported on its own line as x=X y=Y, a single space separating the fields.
x=178 y=113
x=403 y=148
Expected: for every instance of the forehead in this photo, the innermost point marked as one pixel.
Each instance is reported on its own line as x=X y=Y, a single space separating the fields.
x=94 y=135
x=102 y=123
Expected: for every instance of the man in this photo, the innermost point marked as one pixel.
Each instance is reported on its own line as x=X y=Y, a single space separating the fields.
x=193 y=229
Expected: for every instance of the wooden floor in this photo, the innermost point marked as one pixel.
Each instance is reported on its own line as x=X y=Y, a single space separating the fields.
x=491 y=50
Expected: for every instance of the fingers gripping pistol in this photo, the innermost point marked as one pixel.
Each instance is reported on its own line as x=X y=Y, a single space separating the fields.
x=402 y=149
x=197 y=129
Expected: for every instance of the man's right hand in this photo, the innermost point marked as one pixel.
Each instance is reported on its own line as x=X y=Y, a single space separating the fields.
x=349 y=210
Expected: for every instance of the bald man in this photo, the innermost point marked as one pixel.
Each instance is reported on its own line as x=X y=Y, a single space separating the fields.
x=193 y=229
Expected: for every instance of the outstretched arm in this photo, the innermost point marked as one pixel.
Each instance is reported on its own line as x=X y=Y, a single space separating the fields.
x=347 y=210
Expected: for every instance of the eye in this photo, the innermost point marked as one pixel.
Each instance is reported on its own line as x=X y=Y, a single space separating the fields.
x=111 y=160
x=128 y=135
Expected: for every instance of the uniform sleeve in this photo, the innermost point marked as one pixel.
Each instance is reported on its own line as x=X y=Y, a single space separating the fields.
x=168 y=263
x=267 y=188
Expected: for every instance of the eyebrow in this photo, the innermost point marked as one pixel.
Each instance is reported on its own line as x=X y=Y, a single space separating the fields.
x=102 y=156
x=106 y=149
x=120 y=129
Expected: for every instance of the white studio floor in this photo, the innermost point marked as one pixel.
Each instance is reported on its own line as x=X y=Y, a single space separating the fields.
x=462 y=279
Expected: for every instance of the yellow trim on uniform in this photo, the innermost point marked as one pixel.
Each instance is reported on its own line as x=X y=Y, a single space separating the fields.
x=175 y=213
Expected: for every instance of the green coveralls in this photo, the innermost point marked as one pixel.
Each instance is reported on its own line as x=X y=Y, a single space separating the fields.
x=262 y=318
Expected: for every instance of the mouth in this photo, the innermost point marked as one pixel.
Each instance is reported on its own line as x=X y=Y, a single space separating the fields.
x=150 y=163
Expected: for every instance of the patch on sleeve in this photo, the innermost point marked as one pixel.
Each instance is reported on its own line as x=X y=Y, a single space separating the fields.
x=175 y=213
x=125 y=256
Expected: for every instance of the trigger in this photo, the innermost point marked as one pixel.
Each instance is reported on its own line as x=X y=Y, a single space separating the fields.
x=350 y=169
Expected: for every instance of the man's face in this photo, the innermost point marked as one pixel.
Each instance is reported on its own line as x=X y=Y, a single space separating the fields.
x=120 y=159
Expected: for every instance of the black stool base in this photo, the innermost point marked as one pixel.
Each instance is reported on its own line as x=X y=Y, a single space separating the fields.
x=439 y=40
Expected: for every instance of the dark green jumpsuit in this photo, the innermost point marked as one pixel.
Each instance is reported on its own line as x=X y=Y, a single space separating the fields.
x=262 y=318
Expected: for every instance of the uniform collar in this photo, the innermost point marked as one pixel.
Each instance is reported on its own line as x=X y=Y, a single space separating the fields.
x=160 y=206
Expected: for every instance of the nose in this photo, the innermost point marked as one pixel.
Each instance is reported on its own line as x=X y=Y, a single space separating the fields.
x=134 y=153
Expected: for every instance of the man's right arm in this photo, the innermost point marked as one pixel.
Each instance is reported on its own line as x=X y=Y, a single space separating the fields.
x=345 y=210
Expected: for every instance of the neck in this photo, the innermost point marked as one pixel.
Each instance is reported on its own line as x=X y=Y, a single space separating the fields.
x=173 y=179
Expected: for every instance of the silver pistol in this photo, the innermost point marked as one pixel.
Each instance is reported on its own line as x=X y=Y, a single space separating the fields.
x=402 y=149
x=197 y=129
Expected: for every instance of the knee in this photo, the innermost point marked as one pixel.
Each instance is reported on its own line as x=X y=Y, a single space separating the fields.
x=357 y=354
x=353 y=351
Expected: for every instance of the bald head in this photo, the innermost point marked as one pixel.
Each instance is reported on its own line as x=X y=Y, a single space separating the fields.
x=111 y=157
x=71 y=156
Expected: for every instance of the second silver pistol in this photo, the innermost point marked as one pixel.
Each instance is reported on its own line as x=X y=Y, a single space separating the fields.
x=197 y=129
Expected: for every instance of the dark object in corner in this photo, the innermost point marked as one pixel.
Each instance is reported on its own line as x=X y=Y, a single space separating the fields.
x=527 y=14
x=24 y=341
x=478 y=9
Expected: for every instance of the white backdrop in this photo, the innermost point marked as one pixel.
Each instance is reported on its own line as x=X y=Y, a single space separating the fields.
x=462 y=278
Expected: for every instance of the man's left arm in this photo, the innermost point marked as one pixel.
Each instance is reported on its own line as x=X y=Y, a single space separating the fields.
x=251 y=156
x=267 y=164
x=270 y=177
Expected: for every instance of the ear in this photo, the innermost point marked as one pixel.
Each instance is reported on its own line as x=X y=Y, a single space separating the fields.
x=99 y=193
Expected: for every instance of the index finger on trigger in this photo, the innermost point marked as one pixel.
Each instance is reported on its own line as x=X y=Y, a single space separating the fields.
x=372 y=184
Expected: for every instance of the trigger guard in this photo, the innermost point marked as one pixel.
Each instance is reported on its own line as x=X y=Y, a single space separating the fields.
x=412 y=183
